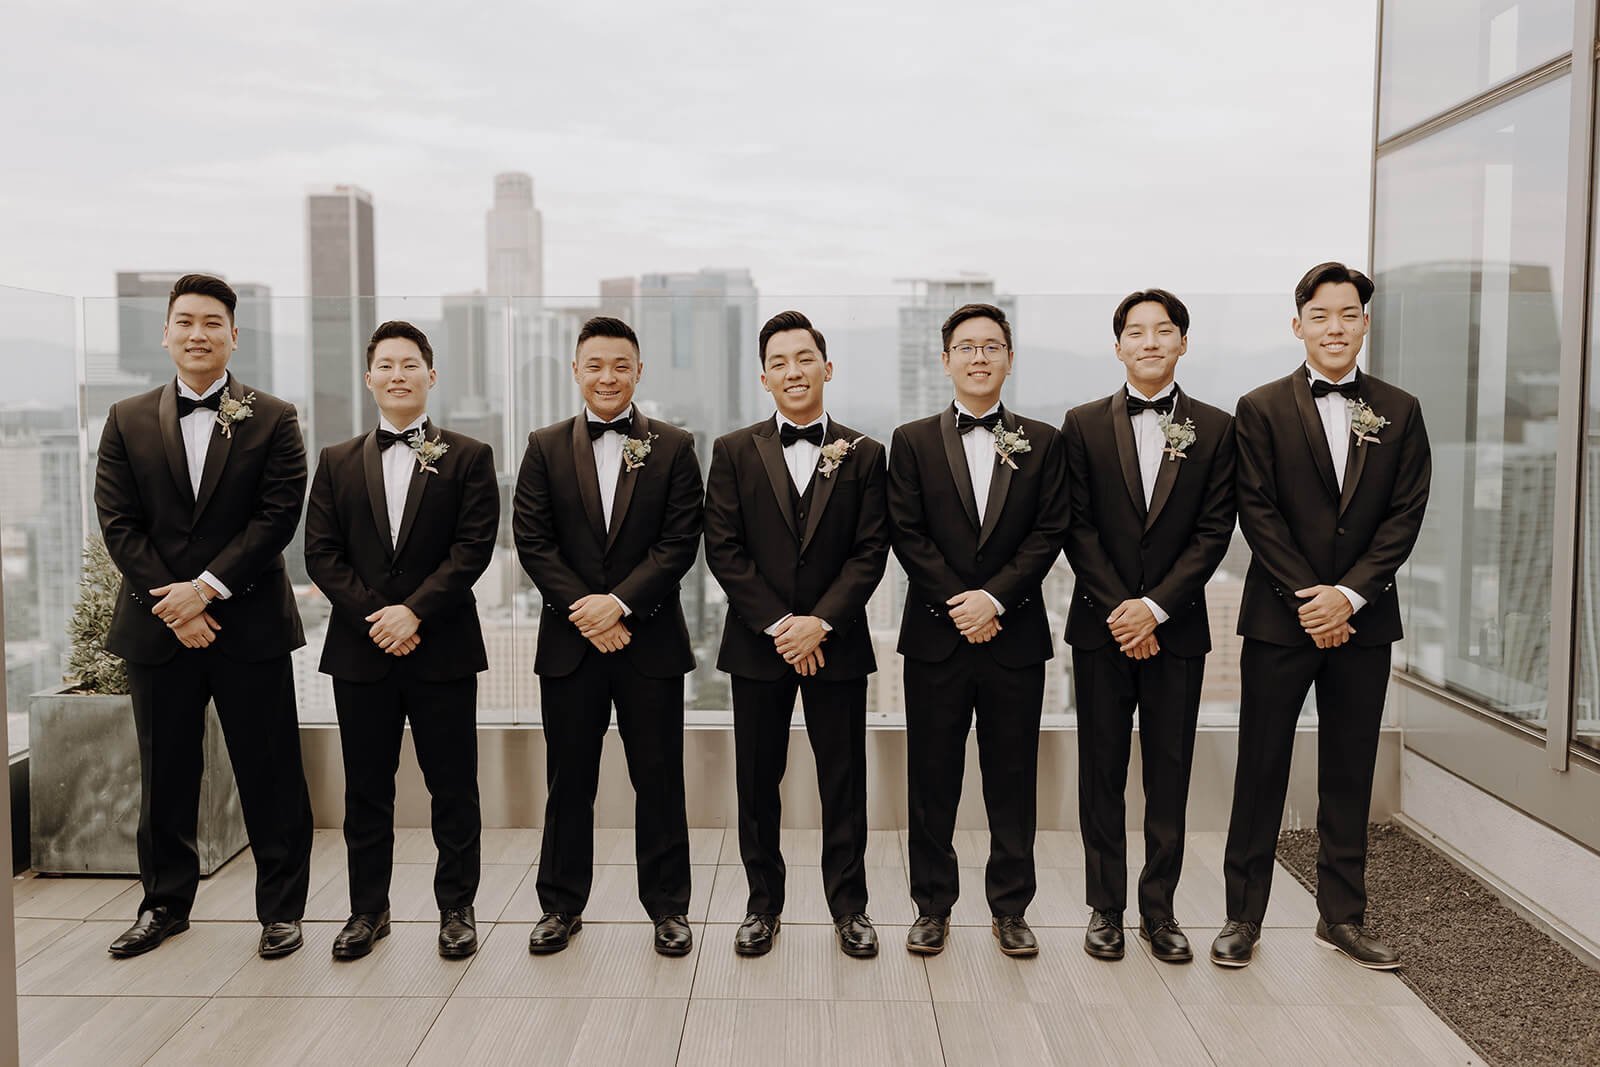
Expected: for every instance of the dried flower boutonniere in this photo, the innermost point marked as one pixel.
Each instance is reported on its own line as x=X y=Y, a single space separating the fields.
x=1008 y=443
x=834 y=454
x=1364 y=422
x=427 y=452
x=634 y=451
x=231 y=412
x=1179 y=436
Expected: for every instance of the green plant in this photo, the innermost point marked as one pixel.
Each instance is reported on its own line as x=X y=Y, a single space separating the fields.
x=90 y=668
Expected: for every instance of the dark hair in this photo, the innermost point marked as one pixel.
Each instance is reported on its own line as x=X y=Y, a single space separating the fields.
x=606 y=326
x=400 y=328
x=203 y=285
x=1175 y=310
x=973 y=311
x=789 y=320
x=1331 y=273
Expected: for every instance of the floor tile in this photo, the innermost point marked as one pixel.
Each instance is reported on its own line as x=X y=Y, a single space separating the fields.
x=800 y=1033
x=613 y=896
x=1289 y=968
x=806 y=900
x=411 y=896
x=33 y=936
x=554 y=1032
x=101 y=1030
x=404 y=964
x=497 y=845
x=805 y=964
x=1057 y=902
x=1327 y=1034
x=608 y=960
x=195 y=963
x=1028 y=1034
x=972 y=969
x=803 y=848
x=1051 y=848
x=47 y=896
x=271 y=1031
x=613 y=845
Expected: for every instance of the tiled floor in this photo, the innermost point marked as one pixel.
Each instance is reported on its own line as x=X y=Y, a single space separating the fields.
x=205 y=998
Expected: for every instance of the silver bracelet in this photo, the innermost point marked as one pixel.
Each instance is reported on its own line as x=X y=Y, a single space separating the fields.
x=195 y=582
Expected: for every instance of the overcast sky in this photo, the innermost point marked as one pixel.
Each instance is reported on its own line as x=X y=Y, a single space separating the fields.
x=1072 y=147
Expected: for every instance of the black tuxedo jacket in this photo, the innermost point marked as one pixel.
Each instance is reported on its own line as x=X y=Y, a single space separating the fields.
x=567 y=550
x=937 y=537
x=159 y=531
x=446 y=540
x=771 y=566
x=1119 y=549
x=1303 y=531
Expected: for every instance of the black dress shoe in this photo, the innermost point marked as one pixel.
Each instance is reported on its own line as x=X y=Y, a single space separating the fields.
x=553 y=932
x=1235 y=944
x=154 y=926
x=673 y=936
x=1015 y=936
x=927 y=935
x=1167 y=941
x=1103 y=940
x=756 y=934
x=856 y=936
x=1359 y=945
x=279 y=939
x=360 y=931
x=458 y=933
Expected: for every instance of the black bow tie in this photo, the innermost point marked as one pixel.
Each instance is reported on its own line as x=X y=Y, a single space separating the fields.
x=790 y=434
x=385 y=438
x=621 y=426
x=1350 y=390
x=186 y=406
x=1138 y=404
x=965 y=422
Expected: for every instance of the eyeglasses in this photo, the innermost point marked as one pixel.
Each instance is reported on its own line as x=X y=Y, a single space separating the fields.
x=993 y=350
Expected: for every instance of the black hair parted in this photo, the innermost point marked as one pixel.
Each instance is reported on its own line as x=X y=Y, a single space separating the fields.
x=400 y=328
x=1331 y=273
x=204 y=285
x=973 y=311
x=606 y=326
x=789 y=320
x=1176 y=311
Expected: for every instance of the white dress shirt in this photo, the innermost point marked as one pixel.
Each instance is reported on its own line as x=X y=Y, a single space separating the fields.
x=1335 y=412
x=801 y=459
x=399 y=464
x=608 y=468
x=197 y=428
x=1151 y=445
x=978 y=444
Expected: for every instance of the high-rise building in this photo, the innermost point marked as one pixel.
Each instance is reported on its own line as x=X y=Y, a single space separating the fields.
x=514 y=234
x=252 y=360
x=142 y=312
x=923 y=386
x=341 y=280
x=470 y=397
x=697 y=334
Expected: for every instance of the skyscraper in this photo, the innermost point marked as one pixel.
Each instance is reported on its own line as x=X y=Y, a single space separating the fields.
x=341 y=280
x=514 y=234
x=470 y=396
x=923 y=387
x=697 y=335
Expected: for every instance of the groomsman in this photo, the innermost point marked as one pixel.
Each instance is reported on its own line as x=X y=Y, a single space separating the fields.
x=797 y=533
x=1332 y=485
x=978 y=511
x=401 y=522
x=607 y=520
x=1151 y=476
x=199 y=486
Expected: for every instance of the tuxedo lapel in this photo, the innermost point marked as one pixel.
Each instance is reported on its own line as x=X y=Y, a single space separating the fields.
x=770 y=448
x=626 y=479
x=1311 y=423
x=1167 y=472
x=418 y=486
x=216 y=453
x=1355 y=461
x=999 y=485
x=822 y=487
x=956 y=456
x=372 y=470
x=1127 y=449
x=588 y=477
x=172 y=440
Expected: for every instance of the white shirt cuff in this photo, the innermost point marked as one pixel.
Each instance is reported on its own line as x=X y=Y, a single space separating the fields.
x=772 y=631
x=626 y=611
x=999 y=608
x=1357 y=601
x=1155 y=609
x=210 y=579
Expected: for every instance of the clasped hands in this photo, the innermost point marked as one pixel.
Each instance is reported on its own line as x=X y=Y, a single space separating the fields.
x=798 y=640
x=1326 y=615
x=394 y=629
x=975 y=614
x=183 y=609
x=598 y=617
x=1133 y=627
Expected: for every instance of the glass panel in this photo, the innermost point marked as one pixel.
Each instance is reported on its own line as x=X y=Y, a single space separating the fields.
x=1440 y=53
x=1586 y=690
x=41 y=494
x=1469 y=237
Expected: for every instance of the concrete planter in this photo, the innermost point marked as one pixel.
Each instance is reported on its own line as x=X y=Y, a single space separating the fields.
x=83 y=787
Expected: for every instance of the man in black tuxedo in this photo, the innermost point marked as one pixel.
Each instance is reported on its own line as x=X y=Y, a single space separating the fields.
x=1333 y=482
x=978 y=509
x=607 y=520
x=797 y=533
x=199 y=488
x=400 y=523
x=1151 y=475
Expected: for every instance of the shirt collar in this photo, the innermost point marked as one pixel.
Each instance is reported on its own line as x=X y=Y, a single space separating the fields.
x=626 y=416
x=416 y=423
x=823 y=422
x=1317 y=376
x=962 y=410
x=1131 y=391
x=185 y=391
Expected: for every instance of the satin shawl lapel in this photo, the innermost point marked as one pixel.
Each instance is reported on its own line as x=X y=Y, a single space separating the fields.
x=822 y=488
x=1127 y=449
x=172 y=441
x=377 y=497
x=1316 y=436
x=588 y=477
x=1167 y=473
x=1355 y=461
x=956 y=456
x=419 y=485
x=999 y=483
x=770 y=448
x=216 y=450
x=627 y=479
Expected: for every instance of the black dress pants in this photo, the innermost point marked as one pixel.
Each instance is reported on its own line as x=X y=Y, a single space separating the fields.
x=1351 y=682
x=576 y=709
x=256 y=706
x=444 y=731
x=836 y=722
x=941 y=699
x=1166 y=690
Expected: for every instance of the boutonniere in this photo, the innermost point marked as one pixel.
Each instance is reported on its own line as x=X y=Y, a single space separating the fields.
x=1179 y=435
x=231 y=412
x=1008 y=443
x=1364 y=422
x=427 y=452
x=634 y=451
x=834 y=454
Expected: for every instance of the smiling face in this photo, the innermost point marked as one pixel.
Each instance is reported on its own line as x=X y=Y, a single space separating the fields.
x=400 y=379
x=607 y=370
x=977 y=361
x=1149 y=347
x=200 y=336
x=1333 y=325
x=793 y=372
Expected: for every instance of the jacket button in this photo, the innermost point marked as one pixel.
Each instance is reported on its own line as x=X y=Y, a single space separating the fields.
x=980 y=557
x=802 y=561
x=1341 y=531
